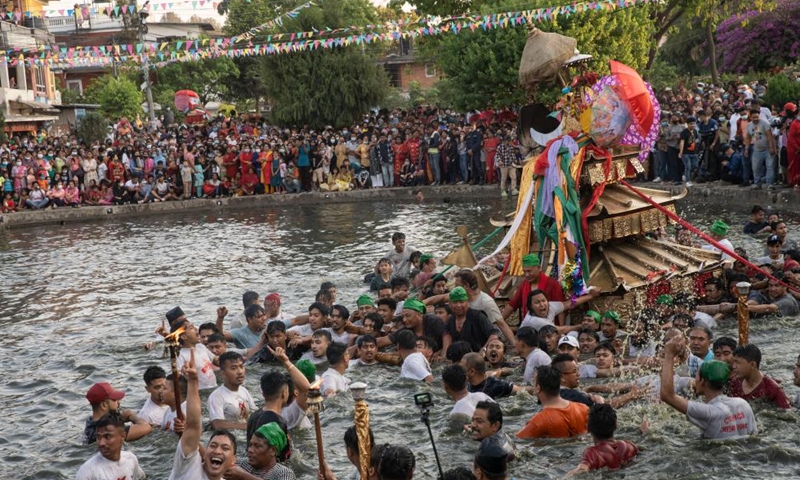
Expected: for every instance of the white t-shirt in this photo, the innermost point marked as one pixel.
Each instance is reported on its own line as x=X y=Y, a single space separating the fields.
x=682 y=385
x=723 y=417
x=725 y=243
x=167 y=423
x=189 y=467
x=333 y=380
x=466 y=406
x=401 y=261
x=225 y=404
x=152 y=413
x=303 y=330
x=538 y=322
x=282 y=317
x=534 y=360
x=317 y=361
x=586 y=370
x=486 y=304
x=100 y=468
x=415 y=367
x=204 y=362
x=238 y=321
x=295 y=417
x=343 y=338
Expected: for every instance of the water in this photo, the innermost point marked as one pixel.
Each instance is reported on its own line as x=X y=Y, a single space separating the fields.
x=78 y=301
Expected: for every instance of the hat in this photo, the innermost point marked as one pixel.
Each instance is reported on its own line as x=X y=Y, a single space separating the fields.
x=720 y=228
x=530 y=260
x=594 y=314
x=664 y=299
x=790 y=107
x=175 y=314
x=103 y=391
x=571 y=341
x=274 y=435
x=774 y=240
x=364 y=300
x=612 y=315
x=458 y=294
x=273 y=297
x=424 y=258
x=414 y=305
x=715 y=371
x=307 y=369
x=738 y=106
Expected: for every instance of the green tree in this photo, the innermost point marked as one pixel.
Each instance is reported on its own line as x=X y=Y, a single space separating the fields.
x=781 y=89
x=206 y=77
x=93 y=127
x=117 y=97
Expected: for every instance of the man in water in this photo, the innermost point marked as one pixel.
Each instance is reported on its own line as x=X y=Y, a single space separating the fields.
x=229 y=406
x=189 y=341
x=700 y=345
x=262 y=456
x=153 y=410
x=454 y=378
x=757 y=224
x=240 y=320
x=419 y=323
x=333 y=380
x=534 y=280
x=367 y=348
x=400 y=255
x=467 y=324
x=558 y=418
x=249 y=335
x=487 y=428
x=750 y=383
x=104 y=401
x=415 y=366
x=110 y=461
x=570 y=379
x=721 y=416
x=220 y=453
x=478 y=381
x=607 y=452
x=320 y=341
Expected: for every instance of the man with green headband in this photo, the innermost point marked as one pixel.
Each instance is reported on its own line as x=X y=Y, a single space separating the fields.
x=262 y=456
x=591 y=320
x=466 y=324
x=609 y=329
x=366 y=305
x=419 y=323
x=535 y=279
x=721 y=416
x=719 y=232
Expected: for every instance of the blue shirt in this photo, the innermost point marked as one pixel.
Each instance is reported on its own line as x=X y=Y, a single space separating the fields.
x=696 y=362
x=244 y=337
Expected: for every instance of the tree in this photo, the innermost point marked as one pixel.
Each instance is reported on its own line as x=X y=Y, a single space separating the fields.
x=117 y=97
x=206 y=77
x=93 y=127
x=781 y=89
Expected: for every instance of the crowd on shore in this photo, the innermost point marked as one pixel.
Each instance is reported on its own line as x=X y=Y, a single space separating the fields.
x=668 y=352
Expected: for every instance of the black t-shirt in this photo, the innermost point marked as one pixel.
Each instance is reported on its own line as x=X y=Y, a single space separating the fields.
x=432 y=327
x=494 y=387
x=752 y=228
x=262 y=417
x=265 y=356
x=576 y=396
x=476 y=330
x=689 y=138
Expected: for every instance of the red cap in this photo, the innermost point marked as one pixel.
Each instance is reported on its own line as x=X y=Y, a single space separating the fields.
x=790 y=107
x=273 y=297
x=103 y=391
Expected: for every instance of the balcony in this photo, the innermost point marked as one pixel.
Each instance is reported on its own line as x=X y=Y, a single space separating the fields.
x=66 y=24
x=17 y=36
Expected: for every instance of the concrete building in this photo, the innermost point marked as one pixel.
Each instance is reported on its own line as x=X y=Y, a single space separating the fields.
x=403 y=67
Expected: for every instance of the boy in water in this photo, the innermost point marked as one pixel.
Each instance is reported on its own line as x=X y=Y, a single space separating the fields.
x=749 y=383
x=607 y=452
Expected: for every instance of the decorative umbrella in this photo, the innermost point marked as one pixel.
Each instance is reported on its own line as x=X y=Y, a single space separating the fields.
x=633 y=91
x=186 y=100
x=544 y=55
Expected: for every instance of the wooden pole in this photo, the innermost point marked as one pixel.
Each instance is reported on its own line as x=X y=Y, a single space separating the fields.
x=744 y=320
x=173 y=356
x=320 y=449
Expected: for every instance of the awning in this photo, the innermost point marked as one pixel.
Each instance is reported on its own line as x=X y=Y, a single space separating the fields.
x=30 y=118
x=43 y=107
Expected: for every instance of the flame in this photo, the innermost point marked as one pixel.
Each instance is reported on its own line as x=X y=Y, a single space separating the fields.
x=316 y=385
x=174 y=336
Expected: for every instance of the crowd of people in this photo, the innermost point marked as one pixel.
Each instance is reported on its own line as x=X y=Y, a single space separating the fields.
x=727 y=133
x=423 y=317
x=241 y=156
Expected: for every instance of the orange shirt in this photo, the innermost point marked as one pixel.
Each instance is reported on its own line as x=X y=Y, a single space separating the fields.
x=557 y=422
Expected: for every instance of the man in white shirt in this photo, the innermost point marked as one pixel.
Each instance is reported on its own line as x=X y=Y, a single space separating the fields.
x=110 y=462
x=170 y=421
x=153 y=410
x=400 y=256
x=219 y=454
x=455 y=385
x=333 y=380
x=205 y=360
x=415 y=366
x=528 y=348
x=230 y=405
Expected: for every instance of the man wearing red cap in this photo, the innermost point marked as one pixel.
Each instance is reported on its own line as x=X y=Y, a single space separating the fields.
x=792 y=144
x=105 y=400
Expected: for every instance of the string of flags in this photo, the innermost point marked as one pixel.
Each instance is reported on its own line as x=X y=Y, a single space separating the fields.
x=201 y=49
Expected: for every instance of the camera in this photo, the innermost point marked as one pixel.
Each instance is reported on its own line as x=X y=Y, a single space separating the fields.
x=423 y=400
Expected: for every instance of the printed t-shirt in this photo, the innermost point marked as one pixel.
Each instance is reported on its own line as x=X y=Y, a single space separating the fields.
x=100 y=468
x=152 y=413
x=230 y=406
x=722 y=417
x=204 y=361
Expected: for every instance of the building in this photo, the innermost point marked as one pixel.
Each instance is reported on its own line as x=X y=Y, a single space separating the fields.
x=403 y=67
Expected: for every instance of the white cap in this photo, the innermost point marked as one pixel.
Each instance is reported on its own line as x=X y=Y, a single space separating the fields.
x=571 y=341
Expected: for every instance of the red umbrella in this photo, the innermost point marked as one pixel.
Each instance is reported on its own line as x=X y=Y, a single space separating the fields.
x=186 y=100
x=634 y=92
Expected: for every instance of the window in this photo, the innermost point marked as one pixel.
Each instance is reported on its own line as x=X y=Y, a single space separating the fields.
x=75 y=86
x=41 y=85
x=430 y=70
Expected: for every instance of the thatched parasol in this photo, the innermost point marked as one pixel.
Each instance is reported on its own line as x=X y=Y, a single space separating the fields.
x=544 y=55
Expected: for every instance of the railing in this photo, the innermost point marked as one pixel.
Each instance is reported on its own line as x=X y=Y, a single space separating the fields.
x=67 y=23
x=12 y=36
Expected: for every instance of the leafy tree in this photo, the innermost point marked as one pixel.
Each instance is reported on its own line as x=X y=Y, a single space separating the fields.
x=117 y=97
x=206 y=77
x=93 y=127
x=781 y=89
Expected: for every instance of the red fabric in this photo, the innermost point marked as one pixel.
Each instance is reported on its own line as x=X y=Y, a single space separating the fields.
x=551 y=288
x=490 y=145
x=768 y=389
x=611 y=454
x=793 y=153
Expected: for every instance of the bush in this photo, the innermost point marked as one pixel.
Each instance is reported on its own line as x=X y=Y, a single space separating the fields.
x=782 y=89
x=93 y=127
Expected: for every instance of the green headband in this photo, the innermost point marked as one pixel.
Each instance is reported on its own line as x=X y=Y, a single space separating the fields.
x=530 y=260
x=720 y=228
x=612 y=315
x=424 y=258
x=365 y=300
x=307 y=369
x=596 y=315
x=665 y=300
x=458 y=295
x=414 y=305
x=715 y=371
x=274 y=435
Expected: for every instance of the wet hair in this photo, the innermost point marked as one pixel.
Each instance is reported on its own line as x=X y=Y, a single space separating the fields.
x=561 y=359
x=208 y=326
x=272 y=384
x=428 y=341
x=389 y=302
x=455 y=377
x=351 y=439
x=544 y=332
x=589 y=331
x=275 y=325
x=343 y=311
x=323 y=334
x=756 y=209
x=253 y=311
x=249 y=298
x=406 y=340
x=493 y=411
x=223 y=433
x=444 y=307
x=320 y=306
x=396 y=462
x=229 y=357
x=606 y=346
x=415 y=256
x=717 y=282
x=457 y=350
x=113 y=419
x=335 y=352
x=153 y=373
x=705 y=330
x=468 y=278
x=749 y=352
x=364 y=339
x=475 y=361
x=548 y=379
x=377 y=319
x=459 y=473
x=602 y=421
x=183 y=385
x=323 y=296
x=682 y=316
x=326 y=286
x=529 y=300
x=528 y=336
x=400 y=282
x=398 y=236
x=216 y=337
x=724 y=342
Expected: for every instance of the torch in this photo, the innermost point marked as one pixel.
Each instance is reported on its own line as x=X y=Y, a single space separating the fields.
x=743 y=312
x=361 y=414
x=315 y=406
x=172 y=341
